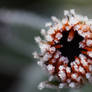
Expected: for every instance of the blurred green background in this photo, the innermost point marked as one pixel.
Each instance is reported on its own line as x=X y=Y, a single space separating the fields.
x=20 y=22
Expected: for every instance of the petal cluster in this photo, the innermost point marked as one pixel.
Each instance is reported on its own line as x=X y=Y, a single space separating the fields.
x=67 y=73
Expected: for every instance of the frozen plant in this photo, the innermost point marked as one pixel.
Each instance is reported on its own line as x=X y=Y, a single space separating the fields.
x=66 y=51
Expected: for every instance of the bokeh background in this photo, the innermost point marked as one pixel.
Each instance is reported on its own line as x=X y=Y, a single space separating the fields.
x=20 y=22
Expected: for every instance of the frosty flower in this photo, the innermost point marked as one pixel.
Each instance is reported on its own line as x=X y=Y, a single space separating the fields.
x=66 y=51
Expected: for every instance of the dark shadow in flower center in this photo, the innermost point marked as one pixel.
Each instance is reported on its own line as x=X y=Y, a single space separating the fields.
x=70 y=49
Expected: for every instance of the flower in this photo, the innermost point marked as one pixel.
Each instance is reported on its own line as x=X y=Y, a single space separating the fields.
x=66 y=51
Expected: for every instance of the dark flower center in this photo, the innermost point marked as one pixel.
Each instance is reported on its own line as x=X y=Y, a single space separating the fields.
x=70 y=49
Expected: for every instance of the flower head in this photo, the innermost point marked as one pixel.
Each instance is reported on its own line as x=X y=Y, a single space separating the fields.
x=66 y=51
